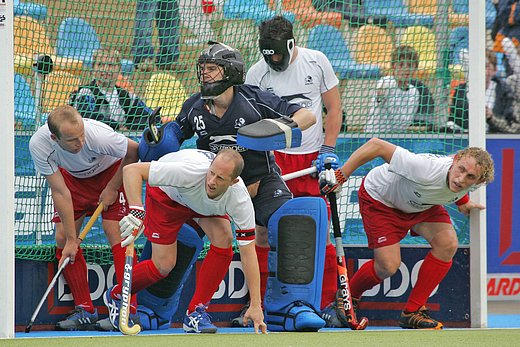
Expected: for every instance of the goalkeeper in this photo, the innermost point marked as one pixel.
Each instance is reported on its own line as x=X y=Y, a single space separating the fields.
x=407 y=193
x=215 y=115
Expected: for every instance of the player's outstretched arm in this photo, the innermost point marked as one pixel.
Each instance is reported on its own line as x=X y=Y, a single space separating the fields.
x=133 y=177
x=331 y=180
x=467 y=207
x=252 y=276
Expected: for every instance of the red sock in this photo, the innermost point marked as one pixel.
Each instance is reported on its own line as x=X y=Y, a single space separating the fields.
x=330 y=277
x=212 y=272
x=364 y=279
x=144 y=274
x=76 y=277
x=262 y=254
x=431 y=273
x=118 y=253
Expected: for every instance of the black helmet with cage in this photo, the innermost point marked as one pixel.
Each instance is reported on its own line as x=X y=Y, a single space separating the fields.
x=229 y=59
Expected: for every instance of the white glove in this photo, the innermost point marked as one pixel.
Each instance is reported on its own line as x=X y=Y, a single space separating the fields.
x=131 y=225
x=331 y=181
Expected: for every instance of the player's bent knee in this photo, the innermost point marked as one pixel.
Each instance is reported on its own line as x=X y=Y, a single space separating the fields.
x=445 y=245
x=164 y=264
x=385 y=269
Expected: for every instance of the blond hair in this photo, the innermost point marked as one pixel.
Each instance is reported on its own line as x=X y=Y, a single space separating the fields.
x=483 y=160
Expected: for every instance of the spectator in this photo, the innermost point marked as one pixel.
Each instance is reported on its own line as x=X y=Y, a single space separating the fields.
x=196 y=14
x=103 y=100
x=424 y=116
x=395 y=100
x=501 y=116
x=166 y=15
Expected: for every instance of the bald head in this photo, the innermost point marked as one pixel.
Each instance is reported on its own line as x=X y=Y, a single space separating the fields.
x=230 y=155
x=63 y=115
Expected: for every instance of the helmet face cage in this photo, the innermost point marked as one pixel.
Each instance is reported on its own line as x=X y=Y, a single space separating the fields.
x=232 y=63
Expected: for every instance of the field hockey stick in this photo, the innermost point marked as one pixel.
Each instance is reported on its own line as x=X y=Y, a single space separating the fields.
x=66 y=262
x=152 y=124
x=348 y=307
x=126 y=293
x=300 y=173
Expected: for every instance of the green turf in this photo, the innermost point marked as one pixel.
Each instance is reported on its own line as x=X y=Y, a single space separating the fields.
x=493 y=337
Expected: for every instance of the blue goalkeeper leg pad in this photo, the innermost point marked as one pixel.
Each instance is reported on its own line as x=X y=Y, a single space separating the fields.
x=297 y=237
x=159 y=302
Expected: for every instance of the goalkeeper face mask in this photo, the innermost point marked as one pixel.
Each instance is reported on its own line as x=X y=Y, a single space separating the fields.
x=277 y=53
x=219 y=56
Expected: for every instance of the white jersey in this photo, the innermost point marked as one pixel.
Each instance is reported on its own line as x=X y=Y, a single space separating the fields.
x=412 y=182
x=306 y=78
x=182 y=176
x=394 y=109
x=103 y=147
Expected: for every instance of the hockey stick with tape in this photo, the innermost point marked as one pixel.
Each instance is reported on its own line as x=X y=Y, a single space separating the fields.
x=66 y=262
x=348 y=307
x=126 y=292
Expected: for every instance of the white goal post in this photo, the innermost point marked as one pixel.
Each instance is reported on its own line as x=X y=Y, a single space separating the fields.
x=7 y=169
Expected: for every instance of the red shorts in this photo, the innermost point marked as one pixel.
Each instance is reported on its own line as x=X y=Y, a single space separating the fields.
x=301 y=186
x=386 y=226
x=85 y=194
x=165 y=217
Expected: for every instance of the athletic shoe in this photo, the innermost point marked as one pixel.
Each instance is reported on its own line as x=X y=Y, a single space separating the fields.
x=238 y=321
x=334 y=316
x=78 y=319
x=198 y=321
x=330 y=316
x=419 y=319
x=104 y=325
x=113 y=306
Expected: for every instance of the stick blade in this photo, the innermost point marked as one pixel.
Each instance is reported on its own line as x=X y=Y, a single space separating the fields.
x=28 y=327
x=152 y=124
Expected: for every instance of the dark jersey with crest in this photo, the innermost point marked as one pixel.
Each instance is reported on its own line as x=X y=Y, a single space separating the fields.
x=249 y=105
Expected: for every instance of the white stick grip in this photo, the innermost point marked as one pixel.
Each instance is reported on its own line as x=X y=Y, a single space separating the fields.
x=300 y=173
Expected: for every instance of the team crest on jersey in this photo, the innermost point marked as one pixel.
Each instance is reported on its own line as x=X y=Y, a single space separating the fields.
x=91 y=159
x=308 y=80
x=240 y=122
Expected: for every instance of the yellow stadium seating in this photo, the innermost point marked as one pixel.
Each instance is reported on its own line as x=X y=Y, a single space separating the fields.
x=56 y=89
x=429 y=7
x=30 y=37
x=165 y=90
x=373 y=46
x=423 y=41
x=31 y=40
